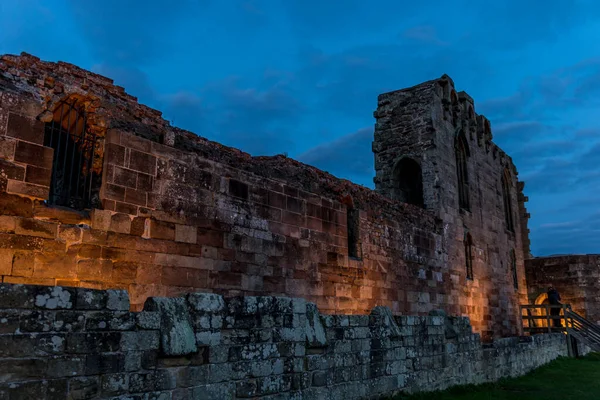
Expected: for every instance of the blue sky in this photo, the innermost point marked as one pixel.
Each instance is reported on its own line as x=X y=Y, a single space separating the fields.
x=302 y=77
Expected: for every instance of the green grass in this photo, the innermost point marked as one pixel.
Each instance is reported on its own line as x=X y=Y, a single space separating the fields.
x=562 y=379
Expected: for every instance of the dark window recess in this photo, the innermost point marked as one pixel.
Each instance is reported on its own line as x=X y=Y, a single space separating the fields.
x=353 y=233
x=238 y=189
x=506 y=196
x=513 y=267
x=469 y=255
x=462 y=152
x=408 y=182
x=74 y=182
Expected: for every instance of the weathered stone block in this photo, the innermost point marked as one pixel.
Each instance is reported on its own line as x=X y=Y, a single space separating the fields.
x=115 y=384
x=148 y=320
x=117 y=300
x=22 y=369
x=29 y=153
x=315 y=332
x=176 y=334
x=32 y=227
x=66 y=366
x=217 y=391
x=27 y=129
x=140 y=340
x=80 y=343
x=7 y=148
x=208 y=338
x=105 y=363
x=186 y=233
x=55 y=298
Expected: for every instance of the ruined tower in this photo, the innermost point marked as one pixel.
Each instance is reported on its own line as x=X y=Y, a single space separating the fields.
x=433 y=151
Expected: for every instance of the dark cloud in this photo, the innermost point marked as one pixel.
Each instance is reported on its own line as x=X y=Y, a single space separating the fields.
x=349 y=82
x=555 y=176
x=424 y=33
x=38 y=27
x=348 y=157
x=540 y=153
x=585 y=133
x=507 y=109
x=590 y=160
x=132 y=32
x=254 y=119
x=257 y=120
x=578 y=241
x=134 y=81
x=521 y=131
x=513 y=24
x=563 y=237
x=311 y=19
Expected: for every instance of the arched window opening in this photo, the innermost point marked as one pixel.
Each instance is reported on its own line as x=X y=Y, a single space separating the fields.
x=409 y=182
x=353 y=227
x=506 y=197
x=469 y=255
x=462 y=152
x=74 y=184
x=513 y=266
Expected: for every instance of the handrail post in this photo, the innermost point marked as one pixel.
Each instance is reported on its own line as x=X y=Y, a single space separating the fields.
x=530 y=320
x=548 y=318
x=522 y=324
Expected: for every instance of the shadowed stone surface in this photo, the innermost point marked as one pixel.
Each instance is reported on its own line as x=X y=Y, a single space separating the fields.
x=206 y=346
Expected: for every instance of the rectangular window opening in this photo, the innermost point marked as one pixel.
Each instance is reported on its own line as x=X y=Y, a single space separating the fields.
x=354 y=248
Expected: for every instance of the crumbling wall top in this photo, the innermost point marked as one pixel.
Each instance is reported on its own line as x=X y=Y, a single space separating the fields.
x=48 y=83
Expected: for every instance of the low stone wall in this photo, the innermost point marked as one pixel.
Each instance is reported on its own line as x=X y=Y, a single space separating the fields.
x=76 y=343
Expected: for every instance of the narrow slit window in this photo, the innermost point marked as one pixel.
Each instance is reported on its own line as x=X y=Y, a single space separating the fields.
x=462 y=152
x=74 y=183
x=469 y=256
x=513 y=266
x=353 y=232
x=506 y=197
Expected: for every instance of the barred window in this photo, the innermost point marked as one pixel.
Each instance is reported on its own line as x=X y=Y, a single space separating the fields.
x=74 y=183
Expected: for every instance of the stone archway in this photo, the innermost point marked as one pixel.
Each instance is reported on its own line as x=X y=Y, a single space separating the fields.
x=542 y=299
x=408 y=182
x=76 y=132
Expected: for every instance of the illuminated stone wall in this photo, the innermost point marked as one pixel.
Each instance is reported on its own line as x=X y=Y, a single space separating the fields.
x=576 y=277
x=73 y=343
x=178 y=213
x=425 y=123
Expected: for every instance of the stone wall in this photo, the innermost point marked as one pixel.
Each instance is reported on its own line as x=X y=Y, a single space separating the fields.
x=424 y=123
x=576 y=277
x=177 y=213
x=60 y=342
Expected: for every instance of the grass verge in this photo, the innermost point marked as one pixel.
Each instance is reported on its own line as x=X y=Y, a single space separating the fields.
x=562 y=379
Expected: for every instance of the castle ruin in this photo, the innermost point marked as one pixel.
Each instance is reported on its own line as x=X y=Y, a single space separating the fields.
x=99 y=192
